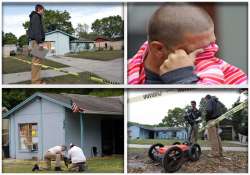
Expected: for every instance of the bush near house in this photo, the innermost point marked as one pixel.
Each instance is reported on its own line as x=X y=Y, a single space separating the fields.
x=102 y=55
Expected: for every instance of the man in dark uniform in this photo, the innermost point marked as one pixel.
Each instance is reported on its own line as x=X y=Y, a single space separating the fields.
x=212 y=113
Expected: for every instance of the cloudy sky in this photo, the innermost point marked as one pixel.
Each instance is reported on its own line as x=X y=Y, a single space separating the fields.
x=152 y=111
x=15 y=14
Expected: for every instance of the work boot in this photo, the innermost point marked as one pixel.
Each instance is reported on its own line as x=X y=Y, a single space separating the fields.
x=58 y=169
x=35 y=168
x=81 y=167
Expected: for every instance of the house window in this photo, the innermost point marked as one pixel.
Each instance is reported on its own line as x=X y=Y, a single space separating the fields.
x=174 y=134
x=28 y=136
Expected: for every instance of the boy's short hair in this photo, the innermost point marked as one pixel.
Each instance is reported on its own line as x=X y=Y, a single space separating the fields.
x=39 y=7
x=208 y=97
x=194 y=102
x=171 y=21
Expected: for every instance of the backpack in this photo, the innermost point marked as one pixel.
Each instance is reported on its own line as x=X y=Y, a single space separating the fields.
x=218 y=107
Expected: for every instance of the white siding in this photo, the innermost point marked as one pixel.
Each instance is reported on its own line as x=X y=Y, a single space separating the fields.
x=91 y=128
x=8 y=48
x=134 y=132
x=49 y=117
x=144 y=134
x=53 y=129
x=61 y=42
x=92 y=136
x=72 y=128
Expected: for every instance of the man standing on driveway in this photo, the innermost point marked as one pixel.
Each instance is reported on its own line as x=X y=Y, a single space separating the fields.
x=212 y=112
x=37 y=36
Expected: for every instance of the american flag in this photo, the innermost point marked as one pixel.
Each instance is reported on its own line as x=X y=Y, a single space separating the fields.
x=76 y=108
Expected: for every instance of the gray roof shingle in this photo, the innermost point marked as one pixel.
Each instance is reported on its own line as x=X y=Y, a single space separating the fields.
x=91 y=103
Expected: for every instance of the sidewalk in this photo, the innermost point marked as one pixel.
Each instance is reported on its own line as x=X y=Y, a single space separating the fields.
x=239 y=143
x=240 y=149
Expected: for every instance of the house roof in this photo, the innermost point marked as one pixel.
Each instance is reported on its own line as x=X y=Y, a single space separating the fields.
x=119 y=38
x=91 y=104
x=82 y=41
x=102 y=38
x=59 y=31
x=160 y=128
x=9 y=45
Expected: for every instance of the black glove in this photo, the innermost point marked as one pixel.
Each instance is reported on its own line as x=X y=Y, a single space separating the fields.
x=66 y=161
x=35 y=168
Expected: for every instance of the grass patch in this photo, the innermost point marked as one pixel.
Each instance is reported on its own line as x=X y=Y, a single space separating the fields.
x=14 y=66
x=137 y=150
x=111 y=164
x=84 y=78
x=99 y=55
x=204 y=143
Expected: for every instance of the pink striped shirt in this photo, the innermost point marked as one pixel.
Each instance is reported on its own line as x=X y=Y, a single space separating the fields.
x=209 y=69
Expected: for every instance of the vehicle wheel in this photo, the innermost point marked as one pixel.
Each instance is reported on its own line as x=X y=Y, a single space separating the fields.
x=194 y=152
x=176 y=143
x=152 y=152
x=172 y=160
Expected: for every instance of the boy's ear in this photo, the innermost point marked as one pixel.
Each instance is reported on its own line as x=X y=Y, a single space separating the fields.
x=157 y=49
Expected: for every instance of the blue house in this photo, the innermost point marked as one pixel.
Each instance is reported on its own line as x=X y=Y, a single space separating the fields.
x=45 y=120
x=146 y=132
x=60 y=43
x=81 y=45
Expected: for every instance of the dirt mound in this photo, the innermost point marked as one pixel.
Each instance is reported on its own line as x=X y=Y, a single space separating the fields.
x=232 y=162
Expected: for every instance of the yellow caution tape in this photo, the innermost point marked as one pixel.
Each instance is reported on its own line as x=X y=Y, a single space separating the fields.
x=91 y=77
x=225 y=115
x=46 y=66
x=99 y=80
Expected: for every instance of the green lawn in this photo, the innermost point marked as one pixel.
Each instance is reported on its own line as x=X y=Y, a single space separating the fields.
x=83 y=78
x=14 y=66
x=112 y=164
x=99 y=55
x=137 y=150
x=169 y=142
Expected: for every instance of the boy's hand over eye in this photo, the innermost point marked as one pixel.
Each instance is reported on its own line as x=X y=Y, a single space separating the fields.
x=179 y=59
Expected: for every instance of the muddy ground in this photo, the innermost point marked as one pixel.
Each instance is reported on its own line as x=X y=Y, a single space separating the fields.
x=233 y=162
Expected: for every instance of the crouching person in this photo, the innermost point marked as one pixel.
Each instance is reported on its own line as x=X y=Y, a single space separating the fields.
x=77 y=157
x=55 y=153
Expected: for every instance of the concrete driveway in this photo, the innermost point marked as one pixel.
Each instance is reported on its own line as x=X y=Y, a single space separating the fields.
x=111 y=70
